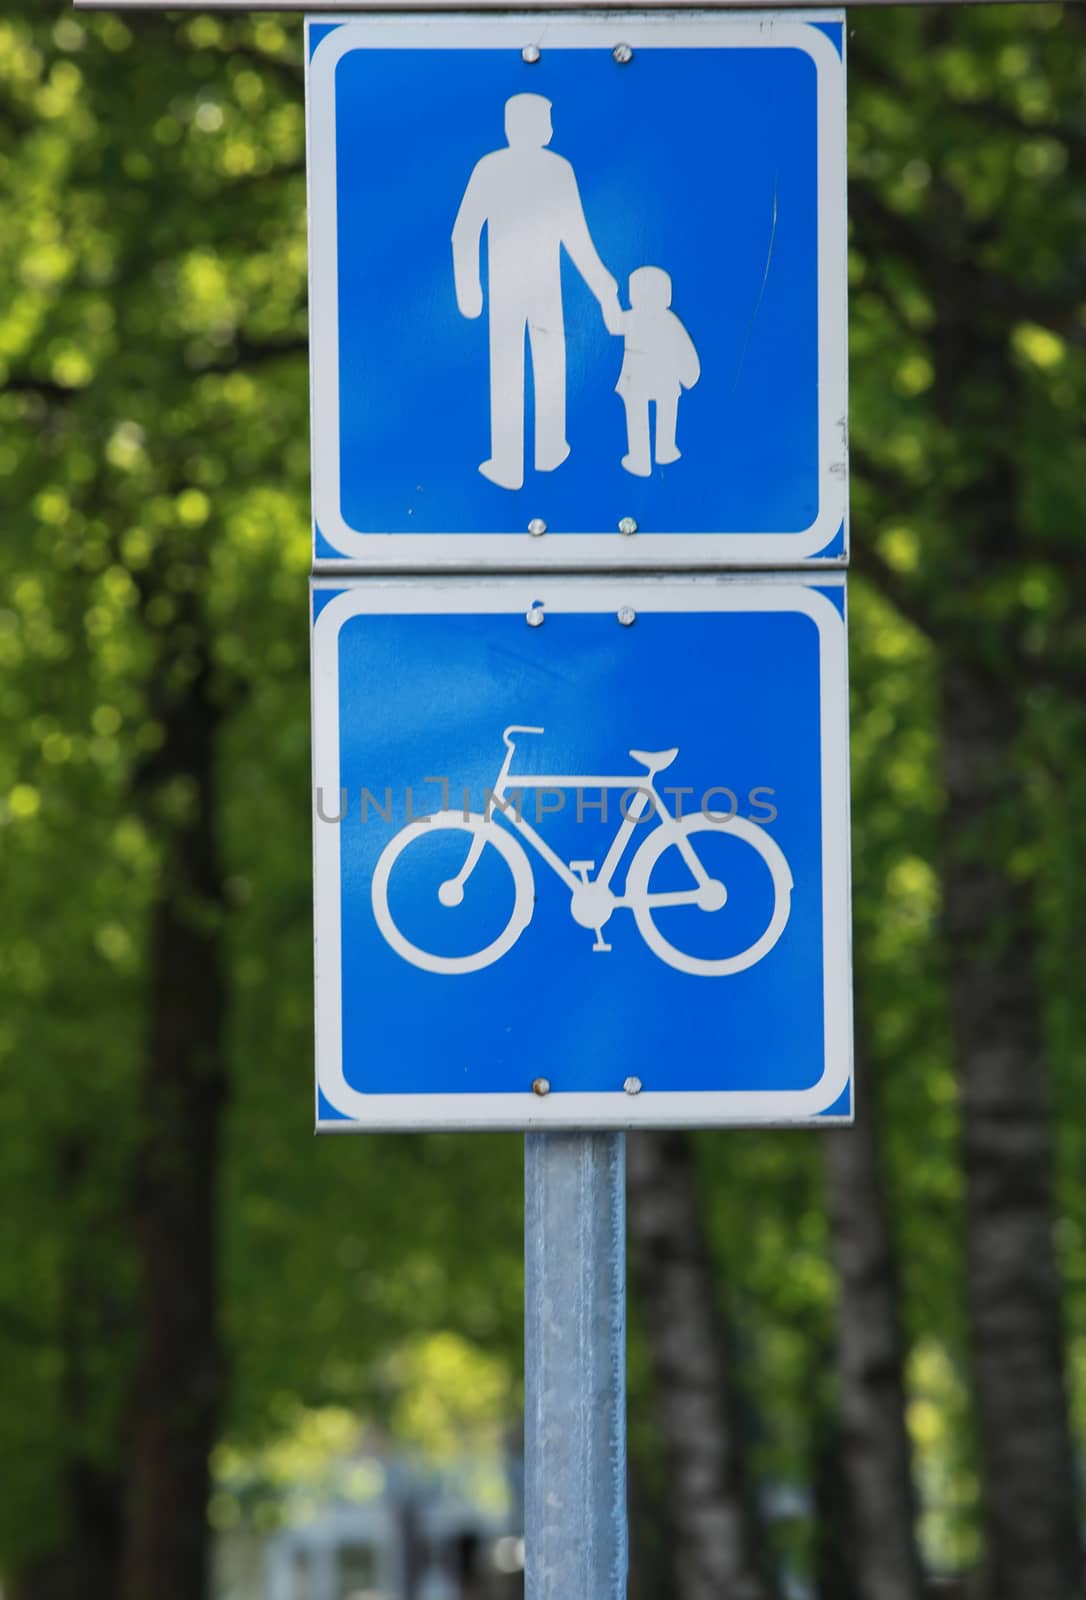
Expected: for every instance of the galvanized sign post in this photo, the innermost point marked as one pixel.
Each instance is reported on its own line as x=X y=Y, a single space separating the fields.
x=575 y=1365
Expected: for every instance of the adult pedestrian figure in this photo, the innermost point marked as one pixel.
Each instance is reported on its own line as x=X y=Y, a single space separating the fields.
x=527 y=198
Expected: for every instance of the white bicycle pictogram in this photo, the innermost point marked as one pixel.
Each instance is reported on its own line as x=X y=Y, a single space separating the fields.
x=592 y=900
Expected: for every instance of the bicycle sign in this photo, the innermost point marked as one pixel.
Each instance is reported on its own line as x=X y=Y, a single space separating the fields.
x=592 y=900
x=573 y=871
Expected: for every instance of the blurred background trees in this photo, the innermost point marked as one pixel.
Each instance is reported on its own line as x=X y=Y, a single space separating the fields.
x=885 y=1327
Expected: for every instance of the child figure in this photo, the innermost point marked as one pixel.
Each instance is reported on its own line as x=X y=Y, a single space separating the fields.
x=659 y=362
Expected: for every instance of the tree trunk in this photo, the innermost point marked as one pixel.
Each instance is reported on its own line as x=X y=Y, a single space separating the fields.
x=836 y=1558
x=87 y=1565
x=717 y=1543
x=84 y=1562
x=1013 y=1284
x=176 y=1400
x=875 y=1465
x=652 y=1545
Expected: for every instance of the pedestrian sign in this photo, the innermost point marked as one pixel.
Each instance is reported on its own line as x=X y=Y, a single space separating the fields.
x=581 y=851
x=576 y=285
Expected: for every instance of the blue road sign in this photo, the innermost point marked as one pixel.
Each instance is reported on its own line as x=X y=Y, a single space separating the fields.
x=565 y=288
x=581 y=852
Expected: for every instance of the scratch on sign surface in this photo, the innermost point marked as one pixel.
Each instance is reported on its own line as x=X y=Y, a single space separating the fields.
x=761 y=291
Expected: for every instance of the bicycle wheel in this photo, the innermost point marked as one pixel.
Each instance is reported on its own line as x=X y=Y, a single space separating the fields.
x=640 y=896
x=475 y=828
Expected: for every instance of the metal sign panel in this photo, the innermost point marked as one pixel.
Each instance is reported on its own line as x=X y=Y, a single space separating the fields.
x=578 y=291
x=581 y=850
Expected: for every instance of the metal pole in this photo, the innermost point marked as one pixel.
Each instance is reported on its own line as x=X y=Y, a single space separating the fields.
x=575 y=1366
x=323 y=1569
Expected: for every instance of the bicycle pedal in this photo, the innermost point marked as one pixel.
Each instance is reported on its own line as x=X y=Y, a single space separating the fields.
x=582 y=869
x=599 y=944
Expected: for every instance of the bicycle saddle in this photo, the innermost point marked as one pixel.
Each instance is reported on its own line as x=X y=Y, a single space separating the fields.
x=655 y=760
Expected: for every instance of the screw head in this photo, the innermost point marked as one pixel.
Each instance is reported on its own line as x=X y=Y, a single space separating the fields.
x=623 y=54
x=537 y=527
x=534 y=615
x=626 y=615
x=541 y=1086
x=530 y=54
x=632 y=1085
x=627 y=527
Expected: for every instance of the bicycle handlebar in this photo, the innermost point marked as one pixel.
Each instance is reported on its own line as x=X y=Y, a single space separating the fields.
x=516 y=728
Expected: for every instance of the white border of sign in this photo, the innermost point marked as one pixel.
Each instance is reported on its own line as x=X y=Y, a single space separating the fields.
x=590 y=548
x=513 y=596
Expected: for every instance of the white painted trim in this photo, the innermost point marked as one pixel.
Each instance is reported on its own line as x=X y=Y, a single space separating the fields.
x=589 y=548
x=513 y=596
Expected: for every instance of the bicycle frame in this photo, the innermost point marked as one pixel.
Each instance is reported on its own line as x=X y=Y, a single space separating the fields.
x=646 y=794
